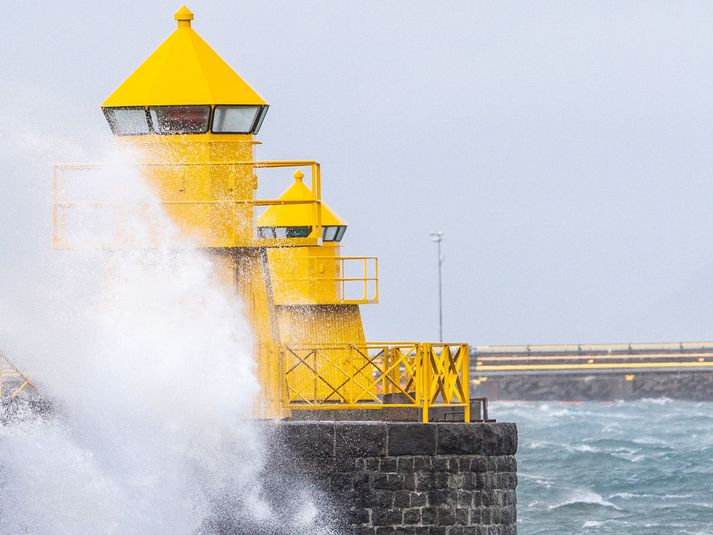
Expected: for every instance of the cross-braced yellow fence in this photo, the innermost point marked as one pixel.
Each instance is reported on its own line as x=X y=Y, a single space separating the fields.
x=374 y=376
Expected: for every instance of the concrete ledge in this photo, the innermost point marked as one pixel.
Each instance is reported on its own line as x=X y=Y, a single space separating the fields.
x=325 y=439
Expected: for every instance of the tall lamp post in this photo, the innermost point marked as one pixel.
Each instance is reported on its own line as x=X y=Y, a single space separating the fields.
x=438 y=238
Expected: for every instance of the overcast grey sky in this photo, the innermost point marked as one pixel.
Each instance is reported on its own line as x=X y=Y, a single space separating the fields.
x=563 y=147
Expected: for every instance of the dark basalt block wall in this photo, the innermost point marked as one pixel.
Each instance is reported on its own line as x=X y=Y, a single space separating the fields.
x=378 y=478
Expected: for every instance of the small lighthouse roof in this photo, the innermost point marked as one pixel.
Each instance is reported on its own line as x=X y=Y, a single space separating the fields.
x=183 y=70
x=295 y=215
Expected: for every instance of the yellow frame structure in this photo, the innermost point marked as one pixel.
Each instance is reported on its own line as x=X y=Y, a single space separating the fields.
x=60 y=205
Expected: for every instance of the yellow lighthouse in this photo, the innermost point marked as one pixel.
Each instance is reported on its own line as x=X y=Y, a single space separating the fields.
x=191 y=121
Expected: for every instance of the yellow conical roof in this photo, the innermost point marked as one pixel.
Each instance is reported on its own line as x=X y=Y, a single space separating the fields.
x=297 y=215
x=184 y=69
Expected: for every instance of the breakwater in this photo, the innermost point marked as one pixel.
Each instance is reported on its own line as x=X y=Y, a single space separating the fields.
x=600 y=372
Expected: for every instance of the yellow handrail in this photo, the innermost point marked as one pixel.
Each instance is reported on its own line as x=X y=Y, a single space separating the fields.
x=375 y=376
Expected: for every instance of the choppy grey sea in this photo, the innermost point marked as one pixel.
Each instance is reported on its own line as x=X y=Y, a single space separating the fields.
x=634 y=467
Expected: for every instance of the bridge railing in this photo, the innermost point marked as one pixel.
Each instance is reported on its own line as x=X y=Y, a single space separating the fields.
x=583 y=348
x=592 y=358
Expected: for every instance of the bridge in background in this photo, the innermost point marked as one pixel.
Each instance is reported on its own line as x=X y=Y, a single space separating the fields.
x=594 y=371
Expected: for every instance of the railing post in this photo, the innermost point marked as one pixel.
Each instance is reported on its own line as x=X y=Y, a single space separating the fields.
x=426 y=362
x=282 y=398
x=366 y=291
x=465 y=379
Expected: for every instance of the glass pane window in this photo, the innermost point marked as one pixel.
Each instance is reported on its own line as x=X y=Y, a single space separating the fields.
x=333 y=233
x=234 y=119
x=266 y=232
x=127 y=121
x=329 y=233
x=260 y=119
x=180 y=119
x=298 y=232
x=283 y=232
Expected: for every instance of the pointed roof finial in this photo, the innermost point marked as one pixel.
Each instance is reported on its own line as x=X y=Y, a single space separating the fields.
x=184 y=16
x=299 y=175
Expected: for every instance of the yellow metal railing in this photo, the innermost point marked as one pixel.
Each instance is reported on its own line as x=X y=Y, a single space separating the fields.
x=61 y=205
x=357 y=285
x=375 y=376
x=10 y=375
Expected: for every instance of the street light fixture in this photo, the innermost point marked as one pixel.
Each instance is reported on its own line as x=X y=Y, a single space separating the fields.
x=437 y=237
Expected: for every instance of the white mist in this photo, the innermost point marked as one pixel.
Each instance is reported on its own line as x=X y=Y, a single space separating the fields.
x=148 y=361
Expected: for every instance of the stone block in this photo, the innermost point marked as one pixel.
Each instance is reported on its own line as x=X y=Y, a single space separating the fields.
x=363 y=439
x=357 y=516
x=456 y=481
x=462 y=516
x=440 y=480
x=442 y=497
x=460 y=439
x=388 y=481
x=465 y=498
x=307 y=440
x=372 y=464
x=377 y=498
x=418 y=499
x=405 y=464
x=412 y=516
x=389 y=464
x=424 y=481
x=422 y=463
x=402 y=499
x=412 y=439
x=429 y=516
x=341 y=482
x=439 y=464
x=446 y=516
x=478 y=464
x=387 y=517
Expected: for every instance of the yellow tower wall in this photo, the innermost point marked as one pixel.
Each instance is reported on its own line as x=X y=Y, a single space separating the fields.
x=205 y=193
x=306 y=275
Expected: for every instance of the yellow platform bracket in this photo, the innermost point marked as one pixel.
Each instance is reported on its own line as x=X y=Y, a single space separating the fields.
x=358 y=288
x=63 y=207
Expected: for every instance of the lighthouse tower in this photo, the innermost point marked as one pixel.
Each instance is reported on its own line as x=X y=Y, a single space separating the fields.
x=191 y=121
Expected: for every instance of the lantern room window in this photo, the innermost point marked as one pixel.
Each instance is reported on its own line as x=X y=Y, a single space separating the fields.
x=127 y=121
x=283 y=232
x=180 y=119
x=238 y=119
x=333 y=232
x=162 y=120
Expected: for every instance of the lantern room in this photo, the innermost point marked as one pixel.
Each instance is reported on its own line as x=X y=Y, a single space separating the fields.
x=295 y=220
x=183 y=88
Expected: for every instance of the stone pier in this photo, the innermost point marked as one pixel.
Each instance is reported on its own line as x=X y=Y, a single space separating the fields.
x=379 y=478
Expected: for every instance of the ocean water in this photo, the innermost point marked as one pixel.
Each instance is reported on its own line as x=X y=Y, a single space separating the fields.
x=628 y=467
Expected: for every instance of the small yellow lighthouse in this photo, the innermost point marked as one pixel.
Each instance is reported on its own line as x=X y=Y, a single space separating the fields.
x=191 y=121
